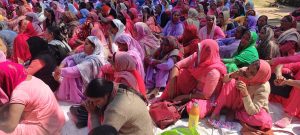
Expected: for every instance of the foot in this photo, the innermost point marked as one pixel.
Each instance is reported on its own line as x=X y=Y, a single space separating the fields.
x=284 y=122
x=153 y=93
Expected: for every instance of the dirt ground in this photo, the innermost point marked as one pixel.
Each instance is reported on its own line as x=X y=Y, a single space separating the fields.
x=274 y=13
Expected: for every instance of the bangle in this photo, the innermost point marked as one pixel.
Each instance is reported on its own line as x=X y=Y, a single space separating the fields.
x=190 y=96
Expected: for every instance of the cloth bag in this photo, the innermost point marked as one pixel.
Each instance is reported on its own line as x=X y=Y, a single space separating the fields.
x=164 y=114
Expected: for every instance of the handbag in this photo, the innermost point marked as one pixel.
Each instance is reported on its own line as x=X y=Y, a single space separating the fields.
x=164 y=114
x=283 y=91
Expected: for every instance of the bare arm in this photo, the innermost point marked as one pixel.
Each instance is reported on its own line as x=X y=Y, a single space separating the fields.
x=10 y=116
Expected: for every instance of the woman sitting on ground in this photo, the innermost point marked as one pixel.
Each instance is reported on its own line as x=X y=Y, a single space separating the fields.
x=266 y=47
x=228 y=46
x=211 y=30
x=58 y=47
x=31 y=106
x=160 y=65
x=201 y=72
x=245 y=54
x=246 y=94
x=290 y=104
x=76 y=71
x=42 y=62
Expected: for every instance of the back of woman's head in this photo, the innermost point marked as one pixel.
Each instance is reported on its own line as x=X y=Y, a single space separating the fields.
x=99 y=88
x=104 y=130
x=56 y=32
x=49 y=10
x=82 y=5
x=37 y=45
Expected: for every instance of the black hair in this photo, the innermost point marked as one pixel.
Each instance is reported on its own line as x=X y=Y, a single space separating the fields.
x=113 y=24
x=122 y=19
x=82 y=5
x=243 y=29
x=91 y=5
x=56 y=32
x=104 y=130
x=37 y=46
x=99 y=88
x=148 y=10
x=48 y=23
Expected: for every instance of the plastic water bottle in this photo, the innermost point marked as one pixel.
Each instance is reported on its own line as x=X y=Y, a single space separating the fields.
x=194 y=116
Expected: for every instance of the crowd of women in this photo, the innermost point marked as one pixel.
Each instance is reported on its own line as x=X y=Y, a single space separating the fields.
x=114 y=57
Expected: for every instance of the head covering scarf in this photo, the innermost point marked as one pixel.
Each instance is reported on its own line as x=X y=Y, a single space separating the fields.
x=72 y=8
x=289 y=35
x=252 y=20
x=122 y=6
x=135 y=13
x=59 y=7
x=248 y=54
x=84 y=13
x=266 y=48
x=22 y=10
x=173 y=28
x=193 y=17
x=132 y=44
x=134 y=50
x=121 y=27
x=174 y=46
x=208 y=58
x=35 y=22
x=262 y=76
x=292 y=20
x=226 y=16
x=203 y=32
x=287 y=41
x=126 y=69
x=145 y=36
x=2 y=56
x=270 y=36
x=251 y=4
x=11 y=75
x=93 y=16
x=20 y=49
x=88 y=64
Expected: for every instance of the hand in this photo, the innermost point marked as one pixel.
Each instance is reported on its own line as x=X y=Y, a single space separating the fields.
x=226 y=78
x=56 y=74
x=279 y=80
x=242 y=87
x=89 y=106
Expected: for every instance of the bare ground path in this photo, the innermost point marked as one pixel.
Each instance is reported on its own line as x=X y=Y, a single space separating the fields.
x=274 y=13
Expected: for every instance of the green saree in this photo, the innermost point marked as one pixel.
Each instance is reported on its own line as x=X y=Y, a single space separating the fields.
x=243 y=57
